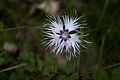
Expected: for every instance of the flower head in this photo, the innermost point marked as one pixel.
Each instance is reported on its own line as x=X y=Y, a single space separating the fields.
x=63 y=35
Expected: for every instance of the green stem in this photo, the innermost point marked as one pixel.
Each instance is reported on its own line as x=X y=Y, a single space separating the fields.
x=101 y=49
x=36 y=61
x=104 y=37
x=15 y=28
x=111 y=66
x=13 y=67
x=103 y=12
x=101 y=17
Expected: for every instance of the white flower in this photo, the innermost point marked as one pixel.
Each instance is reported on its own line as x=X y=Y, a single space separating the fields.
x=63 y=35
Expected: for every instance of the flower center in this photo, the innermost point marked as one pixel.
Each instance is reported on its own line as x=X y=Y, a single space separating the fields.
x=64 y=35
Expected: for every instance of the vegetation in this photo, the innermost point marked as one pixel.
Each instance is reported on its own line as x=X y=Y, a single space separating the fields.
x=22 y=56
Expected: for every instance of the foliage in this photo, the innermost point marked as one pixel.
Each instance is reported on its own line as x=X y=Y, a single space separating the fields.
x=21 y=24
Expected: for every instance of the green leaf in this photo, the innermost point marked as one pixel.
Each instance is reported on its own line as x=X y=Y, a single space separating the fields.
x=1 y=61
x=17 y=76
x=49 y=58
x=116 y=74
x=4 y=76
x=1 y=25
x=74 y=76
x=100 y=74
x=40 y=64
x=62 y=77
x=29 y=59
x=69 y=67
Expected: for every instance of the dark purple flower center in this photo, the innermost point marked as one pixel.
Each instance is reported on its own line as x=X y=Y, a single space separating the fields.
x=64 y=35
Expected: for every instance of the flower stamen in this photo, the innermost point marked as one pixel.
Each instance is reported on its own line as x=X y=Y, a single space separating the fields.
x=64 y=35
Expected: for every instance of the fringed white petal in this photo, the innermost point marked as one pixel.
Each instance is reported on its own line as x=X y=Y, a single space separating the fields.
x=53 y=32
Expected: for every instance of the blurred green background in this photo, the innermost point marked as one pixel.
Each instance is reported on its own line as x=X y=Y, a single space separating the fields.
x=22 y=56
